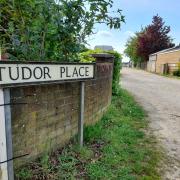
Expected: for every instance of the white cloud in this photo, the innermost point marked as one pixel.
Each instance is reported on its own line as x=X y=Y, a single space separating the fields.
x=104 y=33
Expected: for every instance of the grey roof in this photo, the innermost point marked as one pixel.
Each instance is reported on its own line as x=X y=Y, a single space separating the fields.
x=176 y=48
x=104 y=47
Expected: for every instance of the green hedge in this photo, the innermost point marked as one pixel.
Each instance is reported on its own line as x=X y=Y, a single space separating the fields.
x=86 y=57
x=116 y=71
x=177 y=72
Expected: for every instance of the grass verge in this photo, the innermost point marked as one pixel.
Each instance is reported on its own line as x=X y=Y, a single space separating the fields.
x=115 y=148
x=171 y=76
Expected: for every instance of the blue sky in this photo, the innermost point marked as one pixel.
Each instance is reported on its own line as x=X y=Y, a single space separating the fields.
x=138 y=13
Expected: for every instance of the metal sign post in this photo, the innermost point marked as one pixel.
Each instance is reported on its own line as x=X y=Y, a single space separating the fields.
x=3 y=148
x=6 y=167
x=81 y=118
x=7 y=110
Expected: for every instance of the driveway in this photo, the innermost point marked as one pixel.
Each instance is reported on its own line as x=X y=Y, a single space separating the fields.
x=160 y=97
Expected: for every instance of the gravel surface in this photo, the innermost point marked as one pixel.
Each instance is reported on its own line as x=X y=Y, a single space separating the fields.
x=160 y=97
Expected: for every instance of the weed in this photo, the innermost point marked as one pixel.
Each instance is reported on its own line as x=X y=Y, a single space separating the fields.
x=24 y=174
x=115 y=148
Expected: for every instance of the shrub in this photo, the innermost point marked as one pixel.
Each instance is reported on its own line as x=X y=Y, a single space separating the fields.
x=87 y=57
x=177 y=72
x=116 y=71
x=52 y=30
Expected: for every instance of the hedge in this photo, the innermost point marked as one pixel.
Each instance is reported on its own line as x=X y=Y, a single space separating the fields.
x=86 y=57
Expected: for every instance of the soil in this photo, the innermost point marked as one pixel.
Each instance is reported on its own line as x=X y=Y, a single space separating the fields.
x=160 y=97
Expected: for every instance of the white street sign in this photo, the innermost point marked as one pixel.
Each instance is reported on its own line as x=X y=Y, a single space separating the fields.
x=17 y=73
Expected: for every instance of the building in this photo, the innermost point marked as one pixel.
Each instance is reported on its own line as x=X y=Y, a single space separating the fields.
x=104 y=47
x=125 y=64
x=164 y=61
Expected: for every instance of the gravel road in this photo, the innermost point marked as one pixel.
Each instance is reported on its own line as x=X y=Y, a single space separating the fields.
x=160 y=97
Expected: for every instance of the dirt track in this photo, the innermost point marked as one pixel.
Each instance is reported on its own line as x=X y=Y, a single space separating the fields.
x=160 y=97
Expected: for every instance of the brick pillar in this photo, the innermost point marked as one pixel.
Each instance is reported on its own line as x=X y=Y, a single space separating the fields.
x=103 y=58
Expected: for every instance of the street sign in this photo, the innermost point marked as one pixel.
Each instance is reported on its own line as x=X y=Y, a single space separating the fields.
x=16 y=73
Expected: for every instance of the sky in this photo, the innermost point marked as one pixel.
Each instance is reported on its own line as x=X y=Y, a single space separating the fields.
x=138 y=13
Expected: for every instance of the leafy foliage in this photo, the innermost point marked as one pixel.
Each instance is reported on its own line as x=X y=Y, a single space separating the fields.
x=154 y=38
x=116 y=71
x=131 y=49
x=87 y=57
x=177 y=72
x=51 y=30
x=151 y=39
x=24 y=174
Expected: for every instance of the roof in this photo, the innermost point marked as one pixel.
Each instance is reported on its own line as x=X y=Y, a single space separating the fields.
x=104 y=55
x=176 y=48
x=104 y=47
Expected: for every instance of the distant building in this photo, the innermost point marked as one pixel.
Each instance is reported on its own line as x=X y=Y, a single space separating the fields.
x=125 y=64
x=166 y=59
x=104 y=47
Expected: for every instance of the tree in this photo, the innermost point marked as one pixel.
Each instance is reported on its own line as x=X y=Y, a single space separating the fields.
x=51 y=29
x=131 y=49
x=153 y=38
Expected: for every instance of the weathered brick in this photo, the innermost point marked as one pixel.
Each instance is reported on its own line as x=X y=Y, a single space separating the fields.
x=50 y=117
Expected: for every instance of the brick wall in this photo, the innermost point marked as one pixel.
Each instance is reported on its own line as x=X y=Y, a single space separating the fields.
x=47 y=115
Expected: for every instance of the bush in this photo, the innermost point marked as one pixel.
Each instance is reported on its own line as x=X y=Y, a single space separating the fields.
x=116 y=71
x=177 y=73
x=52 y=30
x=86 y=57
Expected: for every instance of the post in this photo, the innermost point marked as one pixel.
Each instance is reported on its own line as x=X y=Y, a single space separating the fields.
x=7 y=109
x=3 y=147
x=6 y=153
x=81 y=118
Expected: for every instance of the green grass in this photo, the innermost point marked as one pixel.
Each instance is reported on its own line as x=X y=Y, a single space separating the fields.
x=115 y=148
